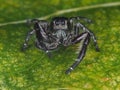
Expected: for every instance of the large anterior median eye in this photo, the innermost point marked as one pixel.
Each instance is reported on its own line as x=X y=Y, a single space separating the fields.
x=59 y=23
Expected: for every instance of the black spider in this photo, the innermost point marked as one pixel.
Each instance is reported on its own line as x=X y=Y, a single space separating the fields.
x=61 y=31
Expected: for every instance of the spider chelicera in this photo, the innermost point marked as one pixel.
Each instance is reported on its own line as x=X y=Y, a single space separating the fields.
x=61 y=31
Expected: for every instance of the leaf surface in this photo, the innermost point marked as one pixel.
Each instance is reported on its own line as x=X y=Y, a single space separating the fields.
x=33 y=70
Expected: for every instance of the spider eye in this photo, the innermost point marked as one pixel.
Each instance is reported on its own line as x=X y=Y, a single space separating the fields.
x=60 y=24
x=63 y=23
x=57 y=23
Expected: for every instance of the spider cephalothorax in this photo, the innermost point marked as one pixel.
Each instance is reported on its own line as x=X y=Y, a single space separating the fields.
x=60 y=23
x=60 y=28
x=61 y=31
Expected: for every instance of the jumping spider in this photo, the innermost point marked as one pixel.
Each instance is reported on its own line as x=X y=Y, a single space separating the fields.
x=61 y=31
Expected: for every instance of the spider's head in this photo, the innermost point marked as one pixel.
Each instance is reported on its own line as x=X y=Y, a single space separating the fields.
x=60 y=23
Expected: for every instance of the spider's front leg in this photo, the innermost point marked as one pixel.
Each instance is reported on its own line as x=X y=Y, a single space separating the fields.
x=86 y=38
x=91 y=34
x=25 y=45
x=29 y=22
x=79 y=25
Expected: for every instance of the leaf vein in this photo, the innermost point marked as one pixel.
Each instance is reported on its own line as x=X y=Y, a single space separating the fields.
x=66 y=11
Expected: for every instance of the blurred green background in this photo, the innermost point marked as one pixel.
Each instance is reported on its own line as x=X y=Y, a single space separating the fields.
x=33 y=70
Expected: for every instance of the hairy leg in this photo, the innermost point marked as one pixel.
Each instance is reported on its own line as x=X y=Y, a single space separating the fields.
x=86 y=38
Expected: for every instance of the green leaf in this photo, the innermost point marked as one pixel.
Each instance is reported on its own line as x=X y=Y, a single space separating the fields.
x=33 y=70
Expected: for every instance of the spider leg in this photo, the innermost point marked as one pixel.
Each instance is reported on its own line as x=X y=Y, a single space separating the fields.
x=86 y=38
x=81 y=18
x=95 y=41
x=91 y=34
x=25 y=45
x=76 y=30
x=41 y=45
